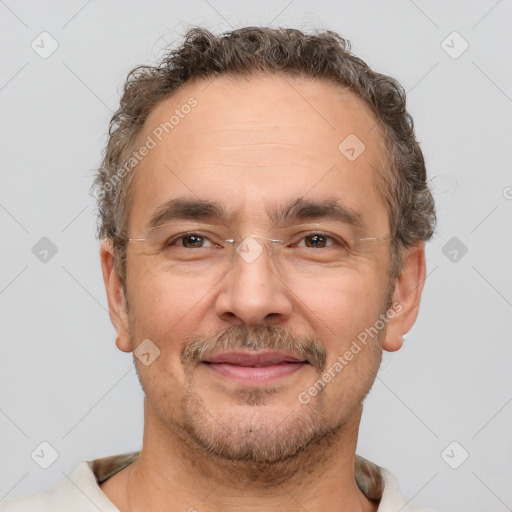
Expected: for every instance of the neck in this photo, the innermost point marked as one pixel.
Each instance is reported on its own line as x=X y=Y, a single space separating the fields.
x=173 y=471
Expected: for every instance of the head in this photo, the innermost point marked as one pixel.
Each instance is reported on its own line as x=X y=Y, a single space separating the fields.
x=250 y=132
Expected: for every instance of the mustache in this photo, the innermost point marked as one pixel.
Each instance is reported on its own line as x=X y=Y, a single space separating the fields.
x=263 y=337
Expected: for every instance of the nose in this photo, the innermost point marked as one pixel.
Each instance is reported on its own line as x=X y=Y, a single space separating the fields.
x=253 y=292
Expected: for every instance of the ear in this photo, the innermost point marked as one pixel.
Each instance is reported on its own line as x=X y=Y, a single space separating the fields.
x=406 y=296
x=115 y=296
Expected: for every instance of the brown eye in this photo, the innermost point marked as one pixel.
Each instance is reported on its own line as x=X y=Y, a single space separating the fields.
x=192 y=241
x=316 y=241
x=189 y=241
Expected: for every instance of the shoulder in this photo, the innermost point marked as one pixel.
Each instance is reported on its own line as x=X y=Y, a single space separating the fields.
x=392 y=498
x=78 y=492
x=379 y=484
x=35 y=502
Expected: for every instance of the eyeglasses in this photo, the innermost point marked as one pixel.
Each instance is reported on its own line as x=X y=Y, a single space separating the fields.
x=192 y=249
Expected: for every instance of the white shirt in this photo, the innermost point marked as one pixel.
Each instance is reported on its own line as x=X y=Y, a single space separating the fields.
x=80 y=492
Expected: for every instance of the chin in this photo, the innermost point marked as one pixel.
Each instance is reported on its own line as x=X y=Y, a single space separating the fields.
x=253 y=432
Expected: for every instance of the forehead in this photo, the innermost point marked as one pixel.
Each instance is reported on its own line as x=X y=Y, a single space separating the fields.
x=250 y=142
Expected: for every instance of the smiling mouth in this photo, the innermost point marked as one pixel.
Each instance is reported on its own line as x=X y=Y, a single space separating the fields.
x=256 y=367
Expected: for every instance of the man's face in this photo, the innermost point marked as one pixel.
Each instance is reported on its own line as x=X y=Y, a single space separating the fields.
x=254 y=147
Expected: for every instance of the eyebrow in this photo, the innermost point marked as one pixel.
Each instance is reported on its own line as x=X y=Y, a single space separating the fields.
x=323 y=209
x=189 y=209
x=297 y=209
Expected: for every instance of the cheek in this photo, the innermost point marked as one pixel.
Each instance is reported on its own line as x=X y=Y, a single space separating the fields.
x=343 y=316
x=157 y=314
x=165 y=314
x=159 y=298
x=345 y=304
x=354 y=352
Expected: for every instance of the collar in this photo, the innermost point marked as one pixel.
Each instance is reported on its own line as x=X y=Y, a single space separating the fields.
x=368 y=475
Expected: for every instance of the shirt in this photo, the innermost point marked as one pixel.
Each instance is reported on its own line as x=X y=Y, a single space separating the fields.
x=80 y=492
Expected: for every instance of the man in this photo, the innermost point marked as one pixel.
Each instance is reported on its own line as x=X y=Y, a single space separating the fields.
x=263 y=209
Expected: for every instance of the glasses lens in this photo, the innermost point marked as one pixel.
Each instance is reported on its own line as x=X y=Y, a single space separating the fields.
x=296 y=250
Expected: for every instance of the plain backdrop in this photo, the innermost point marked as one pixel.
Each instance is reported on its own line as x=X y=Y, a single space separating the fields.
x=440 y=414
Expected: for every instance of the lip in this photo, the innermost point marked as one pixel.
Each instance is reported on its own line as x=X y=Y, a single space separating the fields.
x=254 y=359
x=254 y=367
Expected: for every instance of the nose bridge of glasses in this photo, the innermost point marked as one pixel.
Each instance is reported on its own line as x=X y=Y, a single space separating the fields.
x=251 y=247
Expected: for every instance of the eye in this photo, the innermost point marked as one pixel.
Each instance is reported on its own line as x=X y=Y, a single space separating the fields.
x=316 y=241
x=190 y=241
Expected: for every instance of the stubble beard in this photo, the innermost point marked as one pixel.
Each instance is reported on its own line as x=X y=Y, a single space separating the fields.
x=268 y=450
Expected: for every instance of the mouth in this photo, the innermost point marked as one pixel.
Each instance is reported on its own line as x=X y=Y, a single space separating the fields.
x=254 y=367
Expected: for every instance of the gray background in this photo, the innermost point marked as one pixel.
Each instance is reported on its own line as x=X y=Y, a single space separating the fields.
x=61 y=378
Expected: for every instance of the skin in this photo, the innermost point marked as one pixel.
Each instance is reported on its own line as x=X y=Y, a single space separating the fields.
x=249 y=144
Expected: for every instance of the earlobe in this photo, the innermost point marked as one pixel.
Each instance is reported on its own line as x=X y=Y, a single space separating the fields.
x=122 y=345
x=393 y=339
x=407 y=293
x=115 y=297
